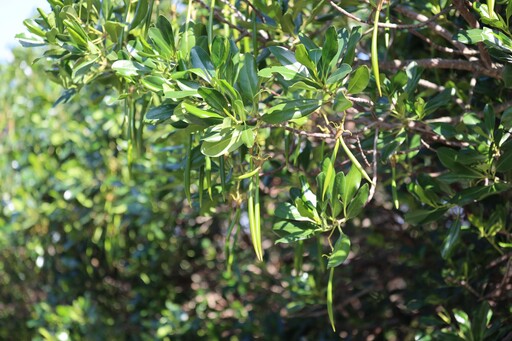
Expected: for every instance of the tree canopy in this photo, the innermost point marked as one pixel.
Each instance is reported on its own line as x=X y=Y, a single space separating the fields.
x=259 y=169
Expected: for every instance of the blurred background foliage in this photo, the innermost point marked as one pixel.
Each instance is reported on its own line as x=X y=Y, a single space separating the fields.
x=95 y=245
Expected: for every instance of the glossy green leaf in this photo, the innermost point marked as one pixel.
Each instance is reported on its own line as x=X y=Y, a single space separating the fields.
x=166 y=30
x=451 y=239
x=214 y=99
x=352 y=183
x=200 y=59
x=342 y=103
x=141 y=12
x=230 y=140
x=159 y=114
x=291 y=231
x=219 y=51
x=418 y=216
x=153 y=83
x=288 y=211
x=339 y=74
x=129 y=68
x=337 y=193
x=285 y=72
x=247 y=137
x=440 y=100
x=478 y=193
x=179 y=94
x=163 y=48
x=358 y=203
x=350 y=51
x=330 y=174
x=472 y=36
x=329 y=51
x=291 y=110
x=302 y=56
x=504 y=163
x=359 y=80
x=288 y=60
x=248 y=79
x=340 y=252
x=413 y=73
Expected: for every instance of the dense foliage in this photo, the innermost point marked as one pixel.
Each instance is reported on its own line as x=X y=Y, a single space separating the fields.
x=258 y=169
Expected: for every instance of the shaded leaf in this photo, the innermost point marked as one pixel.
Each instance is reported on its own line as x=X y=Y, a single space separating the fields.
x=359 y=80
x=340 y=252
x=291 y=110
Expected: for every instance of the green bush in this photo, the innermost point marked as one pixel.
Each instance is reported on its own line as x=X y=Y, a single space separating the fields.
x=275 y=170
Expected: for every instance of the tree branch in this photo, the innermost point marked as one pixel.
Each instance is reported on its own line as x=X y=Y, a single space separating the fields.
x=452 y=64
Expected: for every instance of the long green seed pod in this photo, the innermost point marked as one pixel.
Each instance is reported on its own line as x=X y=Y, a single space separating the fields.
x=355 y=162
x=329 y=299
x=375 y=55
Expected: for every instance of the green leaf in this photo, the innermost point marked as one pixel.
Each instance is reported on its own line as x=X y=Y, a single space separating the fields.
x=352 y=183
x=291 y=231
x=214 y=99
x=230 y=140
x=472 y=36
x=418 y=216
x=166 y=30
x=357 y=205
x=329 y=51
x=291 y=110
x=247 y=137
x=248 y=79
x=219 y=51
x=288 y=211
x=337 y=192
x=302 y=56
x=128 y=68
x=179 y=94
x=141 y=11
x=489 y=120
x=413 y=73
x=340 y=252
x=350 y=51
x=190 y=113
x=287 y=59
x=30 y=40
x=153 y=83
x=287 y=73
x=159 y=114
x=200 y=59
x=451 y=239
x=161 y=45
x=359 y=80
x=504 y=163
x=478 y=193
x=440 y=100
x=342 y=103
x=339 y=74
x=507 y=74
x=330 y=174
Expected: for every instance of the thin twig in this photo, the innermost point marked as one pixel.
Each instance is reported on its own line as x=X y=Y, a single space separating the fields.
x=454 y=64
x=374 y=163
x=473 y=23
x=388 y=25
x=438 y=29
x=467 y=52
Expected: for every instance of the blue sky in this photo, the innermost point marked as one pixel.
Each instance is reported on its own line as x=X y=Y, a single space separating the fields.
x=12 y=14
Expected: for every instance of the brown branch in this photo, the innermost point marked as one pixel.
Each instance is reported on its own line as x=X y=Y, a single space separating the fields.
x=374 y=163
x=467 y=52
x=473 y=23
x=438 y=29
x=388 y=25
x=452 y=64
